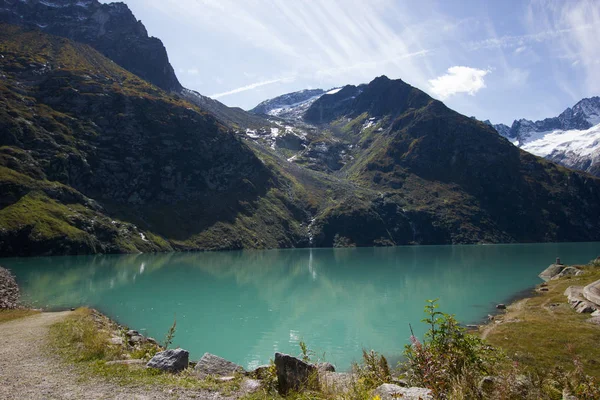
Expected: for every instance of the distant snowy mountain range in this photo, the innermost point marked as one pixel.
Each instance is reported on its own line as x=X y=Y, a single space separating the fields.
x=291 y=105
x=571 y=139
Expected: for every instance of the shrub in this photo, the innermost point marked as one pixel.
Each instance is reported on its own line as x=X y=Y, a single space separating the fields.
x=374 y=370
x=447 y=355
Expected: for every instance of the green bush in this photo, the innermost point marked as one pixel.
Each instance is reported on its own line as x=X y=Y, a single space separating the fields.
x=447 y=355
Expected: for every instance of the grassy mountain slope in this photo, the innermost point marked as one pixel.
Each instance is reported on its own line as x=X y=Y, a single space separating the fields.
x=94 y=159
x=443 y=177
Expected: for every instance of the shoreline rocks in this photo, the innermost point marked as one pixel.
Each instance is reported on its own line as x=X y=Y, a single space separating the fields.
x=294 y=374
x=170 y=360
x=210 y=364
x=9 y=290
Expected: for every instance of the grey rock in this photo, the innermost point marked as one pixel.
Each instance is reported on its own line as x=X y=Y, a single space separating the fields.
x=250 y=385
x=501 y=306
x=336 y=382
x=326 y=367
x=387 y=391
x=585 y=307
x=551 y=271
x=136 y=339
x=578 y=302
x=293 y=373
x=574 y=294
x=594 y=320
x=9 y=290
x=116 y=340
x=592 y=292
x=170 y=360
x=568 y=271
x=210 y=364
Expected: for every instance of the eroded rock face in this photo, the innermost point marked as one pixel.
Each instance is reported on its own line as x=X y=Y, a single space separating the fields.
x=111 y=28
x=210 y=364
x=9 y=290
x=170 y=360
x=294 y=374
x=388 y=391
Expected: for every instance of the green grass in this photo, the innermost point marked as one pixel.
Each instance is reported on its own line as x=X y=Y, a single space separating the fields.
x=548 y=333
x=9 y=315
x=82 y=339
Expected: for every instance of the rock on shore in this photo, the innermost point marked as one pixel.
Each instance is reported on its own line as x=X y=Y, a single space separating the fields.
x=9 y=290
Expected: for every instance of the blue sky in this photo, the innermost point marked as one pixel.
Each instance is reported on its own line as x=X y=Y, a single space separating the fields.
x=496 y=60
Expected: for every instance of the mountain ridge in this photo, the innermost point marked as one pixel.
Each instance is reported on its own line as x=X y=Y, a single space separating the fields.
x=569 y=139
x=96 y=159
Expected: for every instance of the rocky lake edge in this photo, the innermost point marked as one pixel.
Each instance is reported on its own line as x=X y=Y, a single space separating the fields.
x=124 y=355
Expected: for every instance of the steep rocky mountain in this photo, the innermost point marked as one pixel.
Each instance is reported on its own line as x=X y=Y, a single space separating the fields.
x=113 y=30
x=430 y=175
x=571 y=139
x=95 y=159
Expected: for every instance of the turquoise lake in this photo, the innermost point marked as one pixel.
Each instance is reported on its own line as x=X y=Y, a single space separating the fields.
x=245 y=306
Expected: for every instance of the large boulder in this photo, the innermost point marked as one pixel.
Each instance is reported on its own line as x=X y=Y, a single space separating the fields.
x=210 y=364
x=336 y=382
x=388 y=391
x=552 y=271
x=575 y=297
x=592 y=292
x=9 y=290
x=170 y=360
x=294 y=374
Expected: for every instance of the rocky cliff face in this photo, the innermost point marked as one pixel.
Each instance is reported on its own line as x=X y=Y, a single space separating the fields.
x=111 y=29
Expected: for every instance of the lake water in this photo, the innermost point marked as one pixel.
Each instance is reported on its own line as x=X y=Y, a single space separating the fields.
x=245 y=306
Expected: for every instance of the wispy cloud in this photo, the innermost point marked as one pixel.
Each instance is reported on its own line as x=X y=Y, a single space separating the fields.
x=459 y=80
x=250 y=87
x=578 y=41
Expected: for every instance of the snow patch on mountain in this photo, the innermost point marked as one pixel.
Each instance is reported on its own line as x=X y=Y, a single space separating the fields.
x=583 y=143
x=291 y=105
x=571 y=139
x=334 y=91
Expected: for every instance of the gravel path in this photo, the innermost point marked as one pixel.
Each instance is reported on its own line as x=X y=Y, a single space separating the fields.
x=28 y=372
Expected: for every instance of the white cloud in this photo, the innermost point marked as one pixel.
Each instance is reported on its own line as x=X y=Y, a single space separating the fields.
x=459 y=80
x=251 y=86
